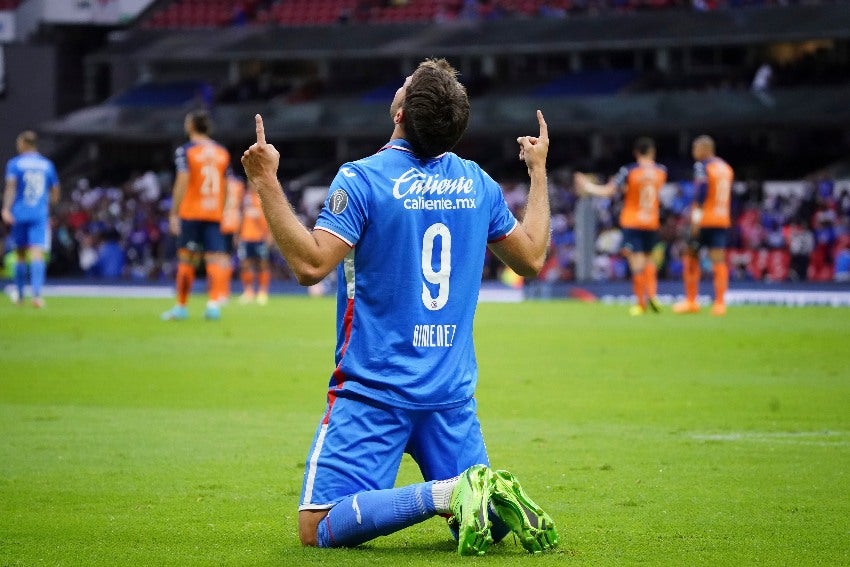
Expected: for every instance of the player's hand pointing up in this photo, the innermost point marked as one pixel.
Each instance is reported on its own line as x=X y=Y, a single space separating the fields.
x=261 y=159
x=533 y=150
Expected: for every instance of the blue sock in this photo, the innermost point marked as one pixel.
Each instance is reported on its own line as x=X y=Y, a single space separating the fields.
x=373 y=513
x=20 y=278
x=37 y=269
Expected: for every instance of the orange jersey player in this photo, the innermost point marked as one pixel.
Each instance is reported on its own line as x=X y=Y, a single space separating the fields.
x=231 y=218
x=640 y=183
x=710 y=220
x=254 y=239
x=204 y=164
x=196 y=209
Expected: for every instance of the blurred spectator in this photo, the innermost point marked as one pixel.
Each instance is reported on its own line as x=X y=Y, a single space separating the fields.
x=110 y=256
x=801 y=243
x=842 y=260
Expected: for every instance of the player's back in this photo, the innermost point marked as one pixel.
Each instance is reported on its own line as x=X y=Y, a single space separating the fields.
x=34 y=177
x=643 y=183
x=409 y=289
x=206 y=163
x=718 y=177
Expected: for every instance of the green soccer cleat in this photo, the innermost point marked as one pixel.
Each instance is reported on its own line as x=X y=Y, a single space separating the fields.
x=534 y=527
x=654 y=304
x=469 y=503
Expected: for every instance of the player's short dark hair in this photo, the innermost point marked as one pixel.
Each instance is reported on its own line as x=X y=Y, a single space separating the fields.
x=29 y=138
x=436 y=108
x=644 y=146
x=201 y=121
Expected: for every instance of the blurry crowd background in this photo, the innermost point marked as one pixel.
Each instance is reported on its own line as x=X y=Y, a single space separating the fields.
x=112 y=223
x=796 y=231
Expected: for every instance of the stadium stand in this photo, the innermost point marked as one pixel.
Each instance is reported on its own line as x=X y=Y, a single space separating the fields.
x=601 y=78
x=214 y=13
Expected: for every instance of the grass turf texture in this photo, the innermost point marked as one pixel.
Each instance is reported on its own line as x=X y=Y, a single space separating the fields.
x=661 y=440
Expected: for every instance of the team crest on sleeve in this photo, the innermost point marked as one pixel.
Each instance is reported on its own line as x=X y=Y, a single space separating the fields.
x=338 y=201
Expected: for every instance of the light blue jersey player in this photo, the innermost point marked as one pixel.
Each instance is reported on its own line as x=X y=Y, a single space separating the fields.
x=407 y=229
x=31 y=185
x=418 y=230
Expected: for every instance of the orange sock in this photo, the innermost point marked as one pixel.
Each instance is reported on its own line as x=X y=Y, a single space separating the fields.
x=721 y=282
x=265 y=280
x=228 y=278
x=650 y=271
x=691 y=274
x=247 y=277
x=639 y=288
x=215 y=281
x=185 y=280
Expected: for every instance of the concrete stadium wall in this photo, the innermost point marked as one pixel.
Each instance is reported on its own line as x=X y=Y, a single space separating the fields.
x=30 y=97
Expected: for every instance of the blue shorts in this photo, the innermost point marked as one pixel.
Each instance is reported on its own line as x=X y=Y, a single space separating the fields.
x=30 y=233
x=253 y=251
x=712 y=237
x=197 y=236
x=228 y=242
x=359 y=445
x=637 y=240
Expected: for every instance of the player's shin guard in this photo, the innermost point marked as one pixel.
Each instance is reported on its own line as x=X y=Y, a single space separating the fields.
x=691 y=275
x=721 y=282
x=185 y=281
x=367 y=515
x=37 y=274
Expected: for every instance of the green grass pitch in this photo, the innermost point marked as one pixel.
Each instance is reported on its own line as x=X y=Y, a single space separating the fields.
x=661 y=440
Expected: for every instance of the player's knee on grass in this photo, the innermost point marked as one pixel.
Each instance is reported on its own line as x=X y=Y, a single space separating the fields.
x=308 y=523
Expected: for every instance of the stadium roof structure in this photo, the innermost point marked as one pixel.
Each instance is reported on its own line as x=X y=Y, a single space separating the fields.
x=670 y=28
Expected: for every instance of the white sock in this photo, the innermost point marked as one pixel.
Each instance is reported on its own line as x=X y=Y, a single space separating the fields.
x=441 y=492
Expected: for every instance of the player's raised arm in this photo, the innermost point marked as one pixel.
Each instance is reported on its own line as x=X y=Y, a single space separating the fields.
x=524 y=250
x=310 y=255
x=585 y=186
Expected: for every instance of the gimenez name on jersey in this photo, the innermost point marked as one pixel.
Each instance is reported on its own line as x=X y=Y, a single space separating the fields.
x=434 y=335
x=419 y=191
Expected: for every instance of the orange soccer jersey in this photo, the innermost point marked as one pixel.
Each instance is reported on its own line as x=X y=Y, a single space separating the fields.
x=255 y=228
x=207 y=164
x=232 y=214
x=640 y=199
x=716 y=177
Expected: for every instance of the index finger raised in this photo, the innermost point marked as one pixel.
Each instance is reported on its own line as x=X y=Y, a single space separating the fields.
x=261 y=131
x=544 y=129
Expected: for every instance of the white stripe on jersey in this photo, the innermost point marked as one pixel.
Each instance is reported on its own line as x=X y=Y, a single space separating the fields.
x=344 y=239
x=312 y=466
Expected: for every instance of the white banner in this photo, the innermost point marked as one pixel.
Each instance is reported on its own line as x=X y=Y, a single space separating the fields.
x=786 y=188
x=107 y=12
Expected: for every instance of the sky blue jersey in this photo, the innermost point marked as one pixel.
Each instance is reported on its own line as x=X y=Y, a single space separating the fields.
x=409 y=287
x=34 y=176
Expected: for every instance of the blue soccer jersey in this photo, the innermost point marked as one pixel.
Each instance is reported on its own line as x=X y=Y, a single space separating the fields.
x=409 y=288
x=34 y=176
